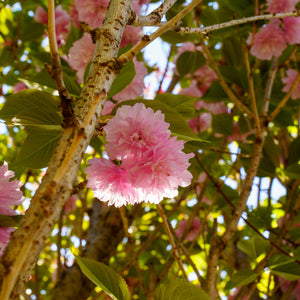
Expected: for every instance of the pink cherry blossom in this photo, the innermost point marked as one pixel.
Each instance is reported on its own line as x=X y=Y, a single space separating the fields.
x=193 y=90
x=91 y=11
x=268 y=42
x=205 y=76
x=5 y=233
x=136 y=86
x=281 y=6
x=161 y=170
x=292 y=30
x=19 y=87
x=71 y=203
x=62 y=22
x=107 y=108
x=134 y=130
x=10 y=194
x=81 y=54
x=153 y=164
x=288 y=81
x=284 y=286
x=237 y=136
x=110 y=183
x=213 y=107
x=132 y=35
x=200 y=123
x=74 y=15
x=193 y=231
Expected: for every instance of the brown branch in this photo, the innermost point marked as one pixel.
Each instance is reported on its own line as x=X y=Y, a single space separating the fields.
x=56 y=70
x=171 y=239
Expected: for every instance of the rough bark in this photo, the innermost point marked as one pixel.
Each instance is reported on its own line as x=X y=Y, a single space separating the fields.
x=105 y=233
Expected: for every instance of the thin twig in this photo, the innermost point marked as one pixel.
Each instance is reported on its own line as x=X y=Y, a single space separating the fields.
x=208 y=29
x=56 y=70
x=147 y=39
x=169 y=234
x=251 y=90
x=155 y=16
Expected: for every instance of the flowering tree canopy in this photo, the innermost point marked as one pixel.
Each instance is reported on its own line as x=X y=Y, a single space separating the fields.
x=149 y=149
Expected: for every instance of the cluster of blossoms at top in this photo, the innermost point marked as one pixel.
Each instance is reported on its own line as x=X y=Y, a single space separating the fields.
x=10 y=194
x=271 y=39
x=146 y=164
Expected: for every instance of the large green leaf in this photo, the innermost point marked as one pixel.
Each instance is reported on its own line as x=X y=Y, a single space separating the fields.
x=243 y=277
x=37 y=148
x=215 y=93
x=188 y=62
x=181 y=103
x=284 y=266
x=105 y=277
x=32 y=108
x=222 y=123
x=254 y=246
x=293 y=171
x=178 y=290
x=123 y=79
x=178 y=124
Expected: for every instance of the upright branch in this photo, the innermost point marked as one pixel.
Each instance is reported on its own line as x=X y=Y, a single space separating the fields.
x=55 y=70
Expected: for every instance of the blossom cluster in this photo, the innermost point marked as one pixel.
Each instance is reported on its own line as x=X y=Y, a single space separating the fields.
x=10 y=194
x=271 y=40
x=146 y=164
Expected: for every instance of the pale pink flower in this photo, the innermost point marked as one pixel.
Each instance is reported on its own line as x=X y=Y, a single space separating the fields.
x=81 y=54
x=161 y=170
x=92 y=12
x=281 y=6
x=214 y=107
x=71 y=203
x=133 y=130
x=5 y=233
x=237 y=136
x=107 y=108
x=19 y=87
x=205 y=76
x=268 y=42
x=10 y=194
x=200 y=123
x=74 y=15
x=110 y=183
x=292 y=30
x=132 y=34
x=193 y=90
x=193 y=230
x=62 y=22
x=284 y=285
x=136 y=86
x=288 y=81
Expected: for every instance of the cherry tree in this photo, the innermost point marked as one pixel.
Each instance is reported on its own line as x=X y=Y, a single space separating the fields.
x=125 y=179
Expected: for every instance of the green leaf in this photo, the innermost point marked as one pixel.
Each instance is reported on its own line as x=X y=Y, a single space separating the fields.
x=123 y=79
x=293 y=171
x=178 y=290
x=188 y=62
x=243 y=277
x=222 y=123
x=232 y=51
x=32 y=108
x=254 y=246
x=105 y=277
x=178 y=124
x=215 y=93
x=181 y=103
x=294 y=153
x=284 y=266
x=38 y=148
x=10 y=221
